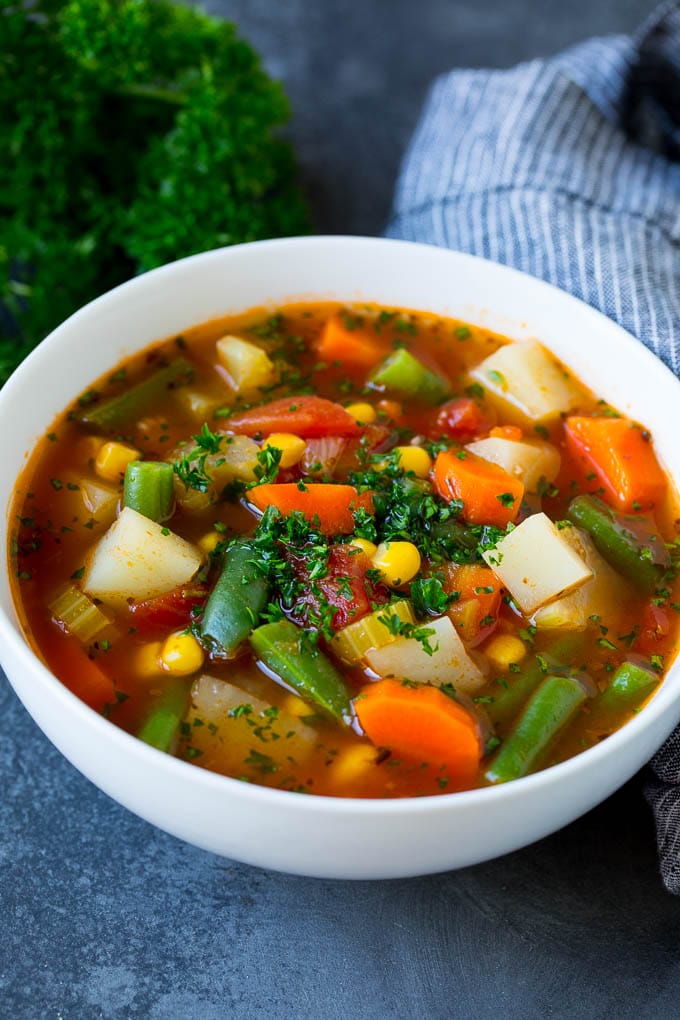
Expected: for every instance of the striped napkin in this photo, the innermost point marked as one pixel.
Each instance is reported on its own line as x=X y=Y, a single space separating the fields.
x=569 y=169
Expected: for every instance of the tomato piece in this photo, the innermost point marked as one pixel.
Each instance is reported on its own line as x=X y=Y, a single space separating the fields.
x=655 y=625
x=475 y=614
x=307 y=417
x=171 y=611
x=462 y=419
x=345 y=588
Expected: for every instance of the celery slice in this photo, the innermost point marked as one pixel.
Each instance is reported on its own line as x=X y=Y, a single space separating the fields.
x=79 y=615
x=373 y=631
x=405 y=375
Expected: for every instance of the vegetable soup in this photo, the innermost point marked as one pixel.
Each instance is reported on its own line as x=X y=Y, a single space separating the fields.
x=351 y=551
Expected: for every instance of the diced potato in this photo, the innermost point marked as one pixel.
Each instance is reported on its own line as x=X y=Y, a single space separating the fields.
x=406 y=658
x=597 y=597
x=138 y=559
x=196 y=403
x=101 y=500
x=536 y=563
x=222 y=719
x=528 y=461
x=249 y=367
x=527 y=382
x=235 y=460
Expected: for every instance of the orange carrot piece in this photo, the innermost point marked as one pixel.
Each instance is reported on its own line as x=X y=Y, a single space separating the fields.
x=507 y=432
x=621 y=455
x=423 y=723
x=329 y=507
x=489 y=494
x=84 y=677
x=358 y=348
x=480 y=600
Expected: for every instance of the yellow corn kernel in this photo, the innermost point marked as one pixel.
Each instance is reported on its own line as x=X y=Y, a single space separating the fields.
x=292 y=447
x=504 y=650
x=398 y=562
x=352 y=763
x=147 y=659
x=366 y=547
x=414 y=459
x=112 y=459
x=181 y=654
x=362 y=413
x=209 y=541
x=295 y=706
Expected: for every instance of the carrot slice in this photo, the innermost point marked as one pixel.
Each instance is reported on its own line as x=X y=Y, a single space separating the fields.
x=489 y=494
x=621 y=455
x=354 y=347
x=475 y=613
x=507 y=432
x=84 y=677
x=423 y=723
x=329 y=507
x=307 y=417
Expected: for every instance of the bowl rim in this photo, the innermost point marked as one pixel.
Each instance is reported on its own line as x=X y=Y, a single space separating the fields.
x=127 y=744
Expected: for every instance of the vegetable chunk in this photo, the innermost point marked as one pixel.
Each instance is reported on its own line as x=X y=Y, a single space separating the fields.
x=527 y=461
x=527 y=383
x=249 y=367
x=446 y=662
x=488 y=493
x=536 y=563
x=138 y=559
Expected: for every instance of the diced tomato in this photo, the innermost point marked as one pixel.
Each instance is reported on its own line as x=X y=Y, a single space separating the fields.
x=462 y=419
x=171 y=611
x=345 y=588
x=307 y=417
x=475 y=614
x=655 y=625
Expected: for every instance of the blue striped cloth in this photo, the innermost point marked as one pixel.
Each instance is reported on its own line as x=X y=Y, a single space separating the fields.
x=569 y=169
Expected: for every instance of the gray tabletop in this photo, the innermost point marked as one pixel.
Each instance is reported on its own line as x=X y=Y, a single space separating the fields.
x=103 y=916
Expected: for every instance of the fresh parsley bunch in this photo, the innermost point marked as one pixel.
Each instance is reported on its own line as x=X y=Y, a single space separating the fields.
x=132 y=132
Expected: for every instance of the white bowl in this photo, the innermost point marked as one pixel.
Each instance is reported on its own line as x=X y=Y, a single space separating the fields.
x=311 y=835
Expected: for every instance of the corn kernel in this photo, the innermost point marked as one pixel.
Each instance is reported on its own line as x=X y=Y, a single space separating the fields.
x=366 y=547
x=208 y=542
x=292 y=447
x=398 y=562
x=181 y=654
x=112 y=459
x=147 y=660
x=414 y=459
x=504 y=650
x=362 y=413
x=295 y=706
x=351 y=763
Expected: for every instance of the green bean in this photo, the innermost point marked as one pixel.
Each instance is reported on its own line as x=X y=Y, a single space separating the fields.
x=549 y=710
x=160 y=728
x=149 y=489
x=130 y=405
x=629 y=686
x=236 y=602
x=280 y=648
x=519 y=686
x=641 y=562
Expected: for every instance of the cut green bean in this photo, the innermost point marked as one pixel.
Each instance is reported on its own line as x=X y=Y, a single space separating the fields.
x=550 y=709
x=149 y=489
x=405 y=375
x=311 y=674
x=236 y=602
x=508 y=700
x=130 y=405
x=641 y=562
x=629 y=687
x=161 y=726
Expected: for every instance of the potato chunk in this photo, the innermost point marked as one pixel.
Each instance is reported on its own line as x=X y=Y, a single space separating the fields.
x=249 y=367
x=536 y=563
x=527 y=382
x=138 y=559
x=408 y=659
x=527 y=461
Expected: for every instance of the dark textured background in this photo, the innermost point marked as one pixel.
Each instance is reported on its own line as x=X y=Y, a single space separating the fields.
x=102 y=916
